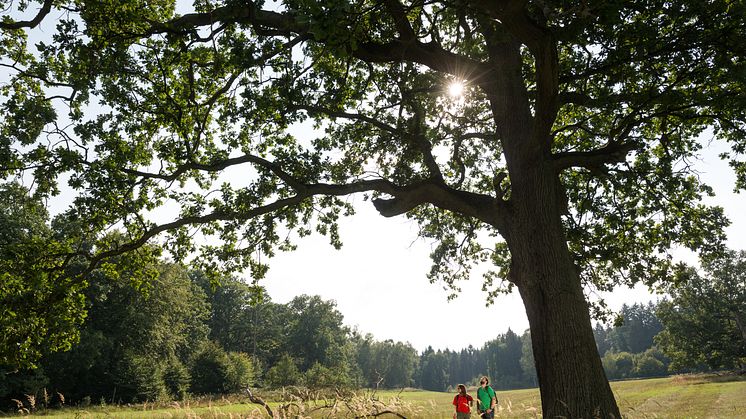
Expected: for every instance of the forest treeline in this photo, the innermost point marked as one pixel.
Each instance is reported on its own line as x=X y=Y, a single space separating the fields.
x=181 y=335
x=154 y=330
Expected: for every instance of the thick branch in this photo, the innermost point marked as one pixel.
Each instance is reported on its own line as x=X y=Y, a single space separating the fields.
x=426 y=148
x=430 y=54
x=43 y=12
x=247 y=13
x=395 y=8
x=513 y=16
x=610 y=153
x=478 y=135
x=405 y=198
x=307 y=192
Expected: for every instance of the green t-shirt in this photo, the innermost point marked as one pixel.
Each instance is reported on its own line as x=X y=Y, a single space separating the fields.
x=485 y=397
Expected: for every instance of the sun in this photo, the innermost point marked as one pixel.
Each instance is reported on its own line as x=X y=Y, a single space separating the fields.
x=456 y=89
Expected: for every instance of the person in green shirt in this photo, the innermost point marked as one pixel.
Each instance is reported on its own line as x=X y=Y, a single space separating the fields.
x=486 y=399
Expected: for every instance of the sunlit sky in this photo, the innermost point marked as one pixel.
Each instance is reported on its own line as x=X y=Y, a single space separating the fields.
x=378 y=279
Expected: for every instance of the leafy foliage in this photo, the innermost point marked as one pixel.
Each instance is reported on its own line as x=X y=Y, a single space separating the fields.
x=643 y=78
x=40 y=308
x=704 y=320
x=134 y=343
x=284 y=373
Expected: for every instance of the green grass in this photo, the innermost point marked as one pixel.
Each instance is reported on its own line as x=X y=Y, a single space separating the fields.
x=674 y=397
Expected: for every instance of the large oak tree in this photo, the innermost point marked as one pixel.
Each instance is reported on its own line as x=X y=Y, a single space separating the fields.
x=569 y=148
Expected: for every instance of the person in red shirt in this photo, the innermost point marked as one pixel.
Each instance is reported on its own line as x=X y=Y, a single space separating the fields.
x=463 y=403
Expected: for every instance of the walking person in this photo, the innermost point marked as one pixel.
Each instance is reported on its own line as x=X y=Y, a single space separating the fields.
x=463 y=403
x=486 y=399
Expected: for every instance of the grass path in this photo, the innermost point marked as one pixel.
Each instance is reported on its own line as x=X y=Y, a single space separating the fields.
x=677 y=397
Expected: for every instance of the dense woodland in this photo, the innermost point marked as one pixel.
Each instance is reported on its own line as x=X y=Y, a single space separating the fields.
x=180 y=335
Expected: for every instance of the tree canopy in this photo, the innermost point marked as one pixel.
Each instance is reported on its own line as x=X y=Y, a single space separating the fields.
x=570 y=144
x=154 y=100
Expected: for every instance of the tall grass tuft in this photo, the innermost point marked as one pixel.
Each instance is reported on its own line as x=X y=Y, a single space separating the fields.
x=31 y=402
x=45 y=397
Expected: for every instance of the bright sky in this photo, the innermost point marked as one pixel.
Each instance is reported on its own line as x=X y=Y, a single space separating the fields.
x=378 y=277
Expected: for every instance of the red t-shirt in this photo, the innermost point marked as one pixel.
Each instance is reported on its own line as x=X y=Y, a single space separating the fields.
x=462 y=403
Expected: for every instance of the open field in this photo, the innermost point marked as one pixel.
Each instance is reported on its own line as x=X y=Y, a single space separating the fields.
x=673 y=397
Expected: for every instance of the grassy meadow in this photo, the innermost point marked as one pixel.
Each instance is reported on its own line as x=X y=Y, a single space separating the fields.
x=696 y=396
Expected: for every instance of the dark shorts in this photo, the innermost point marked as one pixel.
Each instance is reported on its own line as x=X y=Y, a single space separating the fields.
x=485 y=415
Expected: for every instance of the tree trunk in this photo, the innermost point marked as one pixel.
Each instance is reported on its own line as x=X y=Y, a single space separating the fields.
x=571 y=378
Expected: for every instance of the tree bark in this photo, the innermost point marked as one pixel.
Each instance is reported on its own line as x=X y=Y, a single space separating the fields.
x=571 y=378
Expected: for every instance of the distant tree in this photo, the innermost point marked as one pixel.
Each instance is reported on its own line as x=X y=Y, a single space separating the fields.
x=634 y=328
x=503 y=360
x=491 y=354
x=507 y=371
x=463 y=365
x=394 y=363
x=210 y=367
x=41 y=309
x=176 y=378
x=319 y=376
x=215 y=371
x=601 y=335
x=16 y=383
x=651 y=363
x=134 y=343
x=434 y=370
x=705 y=319
x=243 y=318
x=527 y=360
x=316 y=332
x=283 y=373
x=229 y=299
x=470 y=365
x=618 y=365
x=136 y=377
x=363 y=356
x=240 y=374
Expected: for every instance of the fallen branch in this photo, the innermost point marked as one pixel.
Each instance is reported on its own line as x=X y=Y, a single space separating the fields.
x=257 y=400
x=385 y=412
